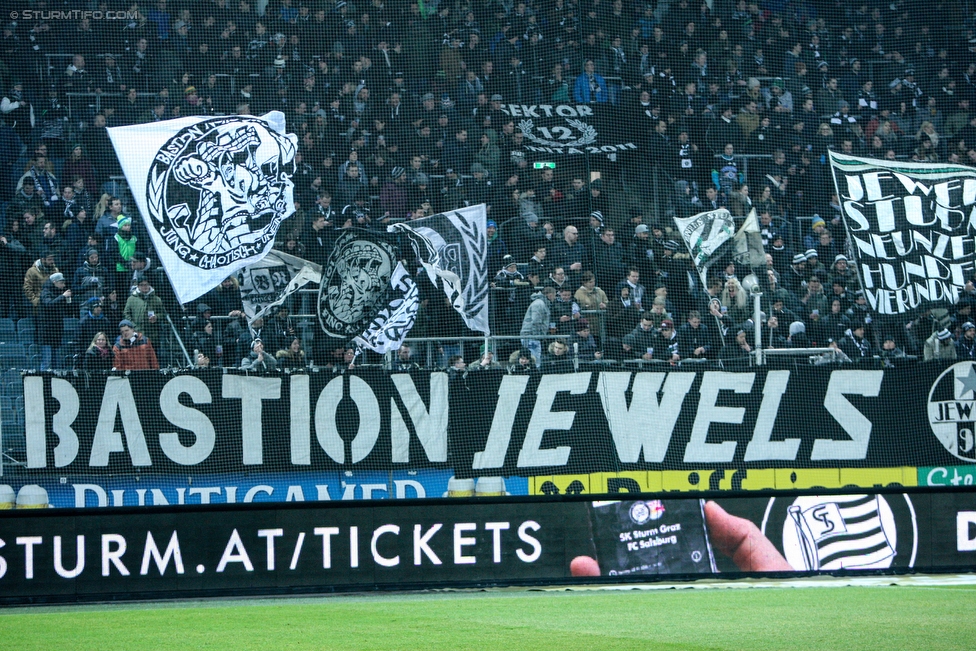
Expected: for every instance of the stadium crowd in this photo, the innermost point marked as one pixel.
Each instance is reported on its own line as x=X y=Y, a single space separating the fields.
x=400 y=110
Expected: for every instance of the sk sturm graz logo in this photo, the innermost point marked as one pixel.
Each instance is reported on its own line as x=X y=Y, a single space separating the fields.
x=354 y=280
x=843 y=532
x=952 y=409
x=641 y=512
x=218 y=190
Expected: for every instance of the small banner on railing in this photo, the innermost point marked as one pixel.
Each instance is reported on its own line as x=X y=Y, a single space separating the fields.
x=270 y=281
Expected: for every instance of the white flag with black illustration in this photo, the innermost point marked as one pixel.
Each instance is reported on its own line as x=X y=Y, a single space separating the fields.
x=706 y=235
x=268 y=282
x=843 y=532
x=212 y=191
x=453 y=247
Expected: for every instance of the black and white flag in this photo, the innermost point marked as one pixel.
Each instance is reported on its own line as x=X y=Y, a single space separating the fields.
x=911 y=228
x=392 y=322
x=565 y=130
x=366 y=294
x=453 y=247
x=212 y=191
x=842 y=532
x=355 y=281
x=706 y=235
x=274 y=278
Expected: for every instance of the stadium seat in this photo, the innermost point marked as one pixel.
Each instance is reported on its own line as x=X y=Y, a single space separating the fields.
x=14 y=361
x=26 y=337
x=11 y=383
x=72 y=330
x=8 y=330
x=13 y=428
x=69 y=357
x=8 y=415
x=34 y=356
x=26 y=325
x=12 y=349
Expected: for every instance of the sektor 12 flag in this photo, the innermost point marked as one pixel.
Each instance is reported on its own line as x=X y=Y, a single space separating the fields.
x=212 y=191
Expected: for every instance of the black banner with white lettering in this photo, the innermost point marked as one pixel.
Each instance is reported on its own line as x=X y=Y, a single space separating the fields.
x=555 y=130
x=912 y=228
x=260 y=549
x=495 y=424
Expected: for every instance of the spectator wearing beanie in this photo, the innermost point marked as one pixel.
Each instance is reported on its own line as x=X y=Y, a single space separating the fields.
x=55 y=306
x=939 y=346
x=966 y=346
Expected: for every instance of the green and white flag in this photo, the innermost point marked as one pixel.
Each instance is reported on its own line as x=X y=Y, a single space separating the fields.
x=707 y=236
x=910 y=227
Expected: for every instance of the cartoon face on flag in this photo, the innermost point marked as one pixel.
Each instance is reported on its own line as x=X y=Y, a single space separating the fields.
x=212 y=191
x=367 y=294
x=354 y=281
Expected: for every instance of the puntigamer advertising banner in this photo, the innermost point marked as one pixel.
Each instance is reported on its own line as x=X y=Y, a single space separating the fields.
x=254 y=549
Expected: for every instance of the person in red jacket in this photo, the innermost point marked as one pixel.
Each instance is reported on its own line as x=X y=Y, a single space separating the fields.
x=133 y=351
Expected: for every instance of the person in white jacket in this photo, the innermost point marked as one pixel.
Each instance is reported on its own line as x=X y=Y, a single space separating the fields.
x=940 y=346
x=259 y=361
x=537 y=321
x=18 y=112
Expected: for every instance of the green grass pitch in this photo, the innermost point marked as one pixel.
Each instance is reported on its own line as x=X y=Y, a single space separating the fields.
x=888 y=618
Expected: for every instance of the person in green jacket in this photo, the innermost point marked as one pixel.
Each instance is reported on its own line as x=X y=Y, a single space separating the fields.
x=488 y=153
x=122 y=253
x=145 y=309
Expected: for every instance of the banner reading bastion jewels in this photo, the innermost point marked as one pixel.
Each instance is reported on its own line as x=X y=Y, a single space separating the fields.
x=272 y=548
x=215 y=437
